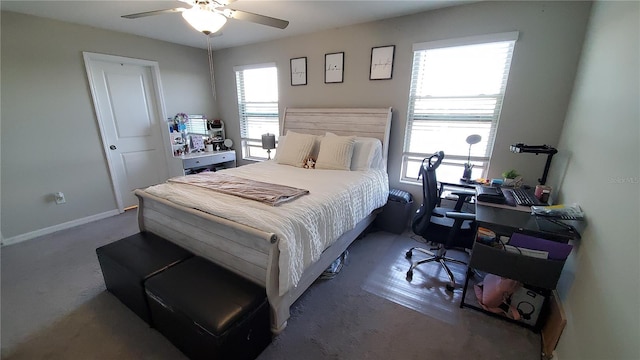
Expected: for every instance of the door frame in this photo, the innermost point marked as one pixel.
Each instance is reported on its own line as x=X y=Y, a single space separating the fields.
x=89 y=57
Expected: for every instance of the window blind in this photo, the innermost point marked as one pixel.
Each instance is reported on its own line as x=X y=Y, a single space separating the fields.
x=456 y=91
x=257 y=88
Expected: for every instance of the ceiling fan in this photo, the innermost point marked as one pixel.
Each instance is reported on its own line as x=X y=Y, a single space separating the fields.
x=208 y=16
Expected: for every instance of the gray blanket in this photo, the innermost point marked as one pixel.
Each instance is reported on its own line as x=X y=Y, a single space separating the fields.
x=270 y=194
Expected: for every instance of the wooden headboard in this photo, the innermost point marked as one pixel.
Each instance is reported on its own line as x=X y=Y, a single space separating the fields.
x=365 y=122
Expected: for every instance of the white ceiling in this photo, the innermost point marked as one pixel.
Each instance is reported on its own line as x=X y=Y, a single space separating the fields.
x=304 y=16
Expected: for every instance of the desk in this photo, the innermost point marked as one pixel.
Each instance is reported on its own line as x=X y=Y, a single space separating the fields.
x=505 y=220
x=536 y=272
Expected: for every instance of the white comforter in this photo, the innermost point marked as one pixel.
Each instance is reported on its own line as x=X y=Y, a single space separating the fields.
x=337 y=201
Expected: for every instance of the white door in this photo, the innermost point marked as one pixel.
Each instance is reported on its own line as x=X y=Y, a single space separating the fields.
x=126 y=96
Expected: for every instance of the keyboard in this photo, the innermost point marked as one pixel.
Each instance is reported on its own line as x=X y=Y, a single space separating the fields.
x=523 y=197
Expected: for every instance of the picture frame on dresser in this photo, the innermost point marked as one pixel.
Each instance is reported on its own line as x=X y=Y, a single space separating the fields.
x=197 y=143
x=334 y=68
x=298 y=67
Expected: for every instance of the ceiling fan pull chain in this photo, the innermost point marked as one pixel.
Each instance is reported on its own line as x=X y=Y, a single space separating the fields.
x=210 y=54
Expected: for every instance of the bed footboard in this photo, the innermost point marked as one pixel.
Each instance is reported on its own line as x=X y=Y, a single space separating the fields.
x=246 y=251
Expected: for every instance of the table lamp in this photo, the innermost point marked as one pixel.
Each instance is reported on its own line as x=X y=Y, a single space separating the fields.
x=536 y=149
x=471 y=140
x=268 y=142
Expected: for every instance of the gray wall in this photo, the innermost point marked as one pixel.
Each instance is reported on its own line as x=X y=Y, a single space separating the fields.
x=600 y=170
x=542 y=72
x=50 y=137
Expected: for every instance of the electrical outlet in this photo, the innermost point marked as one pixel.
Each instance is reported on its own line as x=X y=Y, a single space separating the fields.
x=59 y=196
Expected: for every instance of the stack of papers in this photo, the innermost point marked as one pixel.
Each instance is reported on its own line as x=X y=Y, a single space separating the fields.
x=555 y=250
x=573 y=212
x=528 y=252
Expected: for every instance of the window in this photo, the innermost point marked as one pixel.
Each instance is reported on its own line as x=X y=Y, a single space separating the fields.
x=257 y=88
x=457 y=87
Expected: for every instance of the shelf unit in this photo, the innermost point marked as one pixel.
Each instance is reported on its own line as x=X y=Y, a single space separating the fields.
x=180 y=137
x=539 y=274
x=178 y=141
x=195 y=161
x=216 y=132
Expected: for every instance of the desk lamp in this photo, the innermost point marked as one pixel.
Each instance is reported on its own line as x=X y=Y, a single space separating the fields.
x=537 y=149
x=268 y=142
x=471 y=140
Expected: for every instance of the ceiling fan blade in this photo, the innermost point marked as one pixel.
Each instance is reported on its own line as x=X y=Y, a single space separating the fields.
x=154 y=12
x=258 y=19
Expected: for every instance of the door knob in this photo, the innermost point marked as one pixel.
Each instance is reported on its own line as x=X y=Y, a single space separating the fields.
x=112 y=147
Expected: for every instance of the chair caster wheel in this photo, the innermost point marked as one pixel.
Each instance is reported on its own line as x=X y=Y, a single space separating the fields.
x=450 y=287
x=408 y=254
x=409 y=275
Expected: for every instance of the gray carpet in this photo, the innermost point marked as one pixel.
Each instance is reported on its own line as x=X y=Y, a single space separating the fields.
x=54 y=306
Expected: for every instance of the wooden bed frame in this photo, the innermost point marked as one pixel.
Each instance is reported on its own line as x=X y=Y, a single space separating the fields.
x=250 y=252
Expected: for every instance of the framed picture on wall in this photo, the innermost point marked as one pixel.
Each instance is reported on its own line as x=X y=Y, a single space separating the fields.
x=299 y=71
x=333 y=68
x=382 y=62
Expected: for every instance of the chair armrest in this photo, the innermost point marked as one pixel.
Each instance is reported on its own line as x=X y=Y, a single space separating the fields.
x=454 y=234
x=460 y=215
x=465 y=193
x=463 y=196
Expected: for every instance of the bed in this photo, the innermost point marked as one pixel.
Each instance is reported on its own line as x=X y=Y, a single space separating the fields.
x=240 y=235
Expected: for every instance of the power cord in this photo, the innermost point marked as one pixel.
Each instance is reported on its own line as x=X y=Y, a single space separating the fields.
x=526 y=314
x=504 y=245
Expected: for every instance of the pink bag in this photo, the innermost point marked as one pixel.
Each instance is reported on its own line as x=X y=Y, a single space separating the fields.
x=494 y=294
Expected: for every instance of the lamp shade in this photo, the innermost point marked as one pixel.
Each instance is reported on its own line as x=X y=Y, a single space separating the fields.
x=204 y=21
x=268 y=141
x=473 y=139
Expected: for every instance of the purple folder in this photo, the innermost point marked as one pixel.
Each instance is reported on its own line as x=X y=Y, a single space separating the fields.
x=556 y=250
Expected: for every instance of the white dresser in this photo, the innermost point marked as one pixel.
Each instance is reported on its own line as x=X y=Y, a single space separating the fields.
x=213 y=160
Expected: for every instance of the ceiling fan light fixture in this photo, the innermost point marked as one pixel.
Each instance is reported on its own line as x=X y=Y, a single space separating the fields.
x=205 y=21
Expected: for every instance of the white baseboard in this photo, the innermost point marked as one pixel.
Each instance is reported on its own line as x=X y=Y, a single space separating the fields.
x=34 y=234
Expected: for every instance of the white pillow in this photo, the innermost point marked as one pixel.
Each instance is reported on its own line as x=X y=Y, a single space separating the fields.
x=316 y=147
x=335 y=152
x=377 y=162
x=365 y=151
x=296 y=149
x=314 y=151
x=281 y=140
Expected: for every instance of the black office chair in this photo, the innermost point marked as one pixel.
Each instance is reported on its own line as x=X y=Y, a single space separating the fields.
x=450 y=228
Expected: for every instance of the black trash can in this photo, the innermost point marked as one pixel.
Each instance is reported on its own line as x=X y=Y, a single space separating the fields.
x=395 y=215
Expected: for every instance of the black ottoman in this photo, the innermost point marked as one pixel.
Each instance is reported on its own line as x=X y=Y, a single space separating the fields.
x=208 y=312
x=128 y=262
